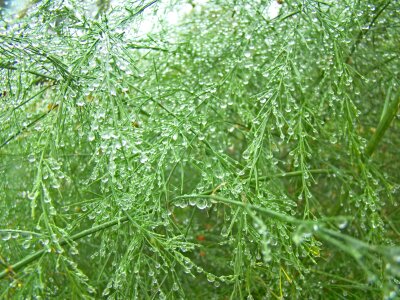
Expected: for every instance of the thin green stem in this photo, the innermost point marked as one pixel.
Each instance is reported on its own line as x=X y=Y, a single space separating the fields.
x=19 y=132
x=271 y=213
x=363 y=33
x=31 y=258
x=384 y=124
x=296 y=173
x=9 y=67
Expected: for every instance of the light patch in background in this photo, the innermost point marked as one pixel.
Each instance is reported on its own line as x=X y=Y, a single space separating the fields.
x=273 y=10
x=166 y=15
x=174 y=16
x=14 y=6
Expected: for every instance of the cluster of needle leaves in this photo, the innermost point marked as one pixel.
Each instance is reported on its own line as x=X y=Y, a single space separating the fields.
x=234 y=154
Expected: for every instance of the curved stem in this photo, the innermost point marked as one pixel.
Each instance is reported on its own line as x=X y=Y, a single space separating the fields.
x=384 y=124
x=31 y=258
x=296 y=173
x=363 y=33
x=271 y=213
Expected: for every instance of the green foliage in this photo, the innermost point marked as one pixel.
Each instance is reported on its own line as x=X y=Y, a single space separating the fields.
x=233 y=155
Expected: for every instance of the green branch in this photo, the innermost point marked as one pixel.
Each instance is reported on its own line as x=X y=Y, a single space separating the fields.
x=31 y=258
x=12 y=68
x=363 y=33
x=271 y=213
x=388 y=115
x=19 y=132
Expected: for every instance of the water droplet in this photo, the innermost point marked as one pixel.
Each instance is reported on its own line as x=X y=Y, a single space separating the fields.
x=246 y=155
x=210 y=278
x=6 y=237
x=106 y=291
x=201 y=203
x=343 y=224
x=143 y=158
x=181 y=203
x=91 y=137
x=26 y=244
x=105 y=136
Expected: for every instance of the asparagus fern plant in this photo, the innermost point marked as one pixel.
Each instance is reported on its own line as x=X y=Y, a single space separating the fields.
x=234 y=154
